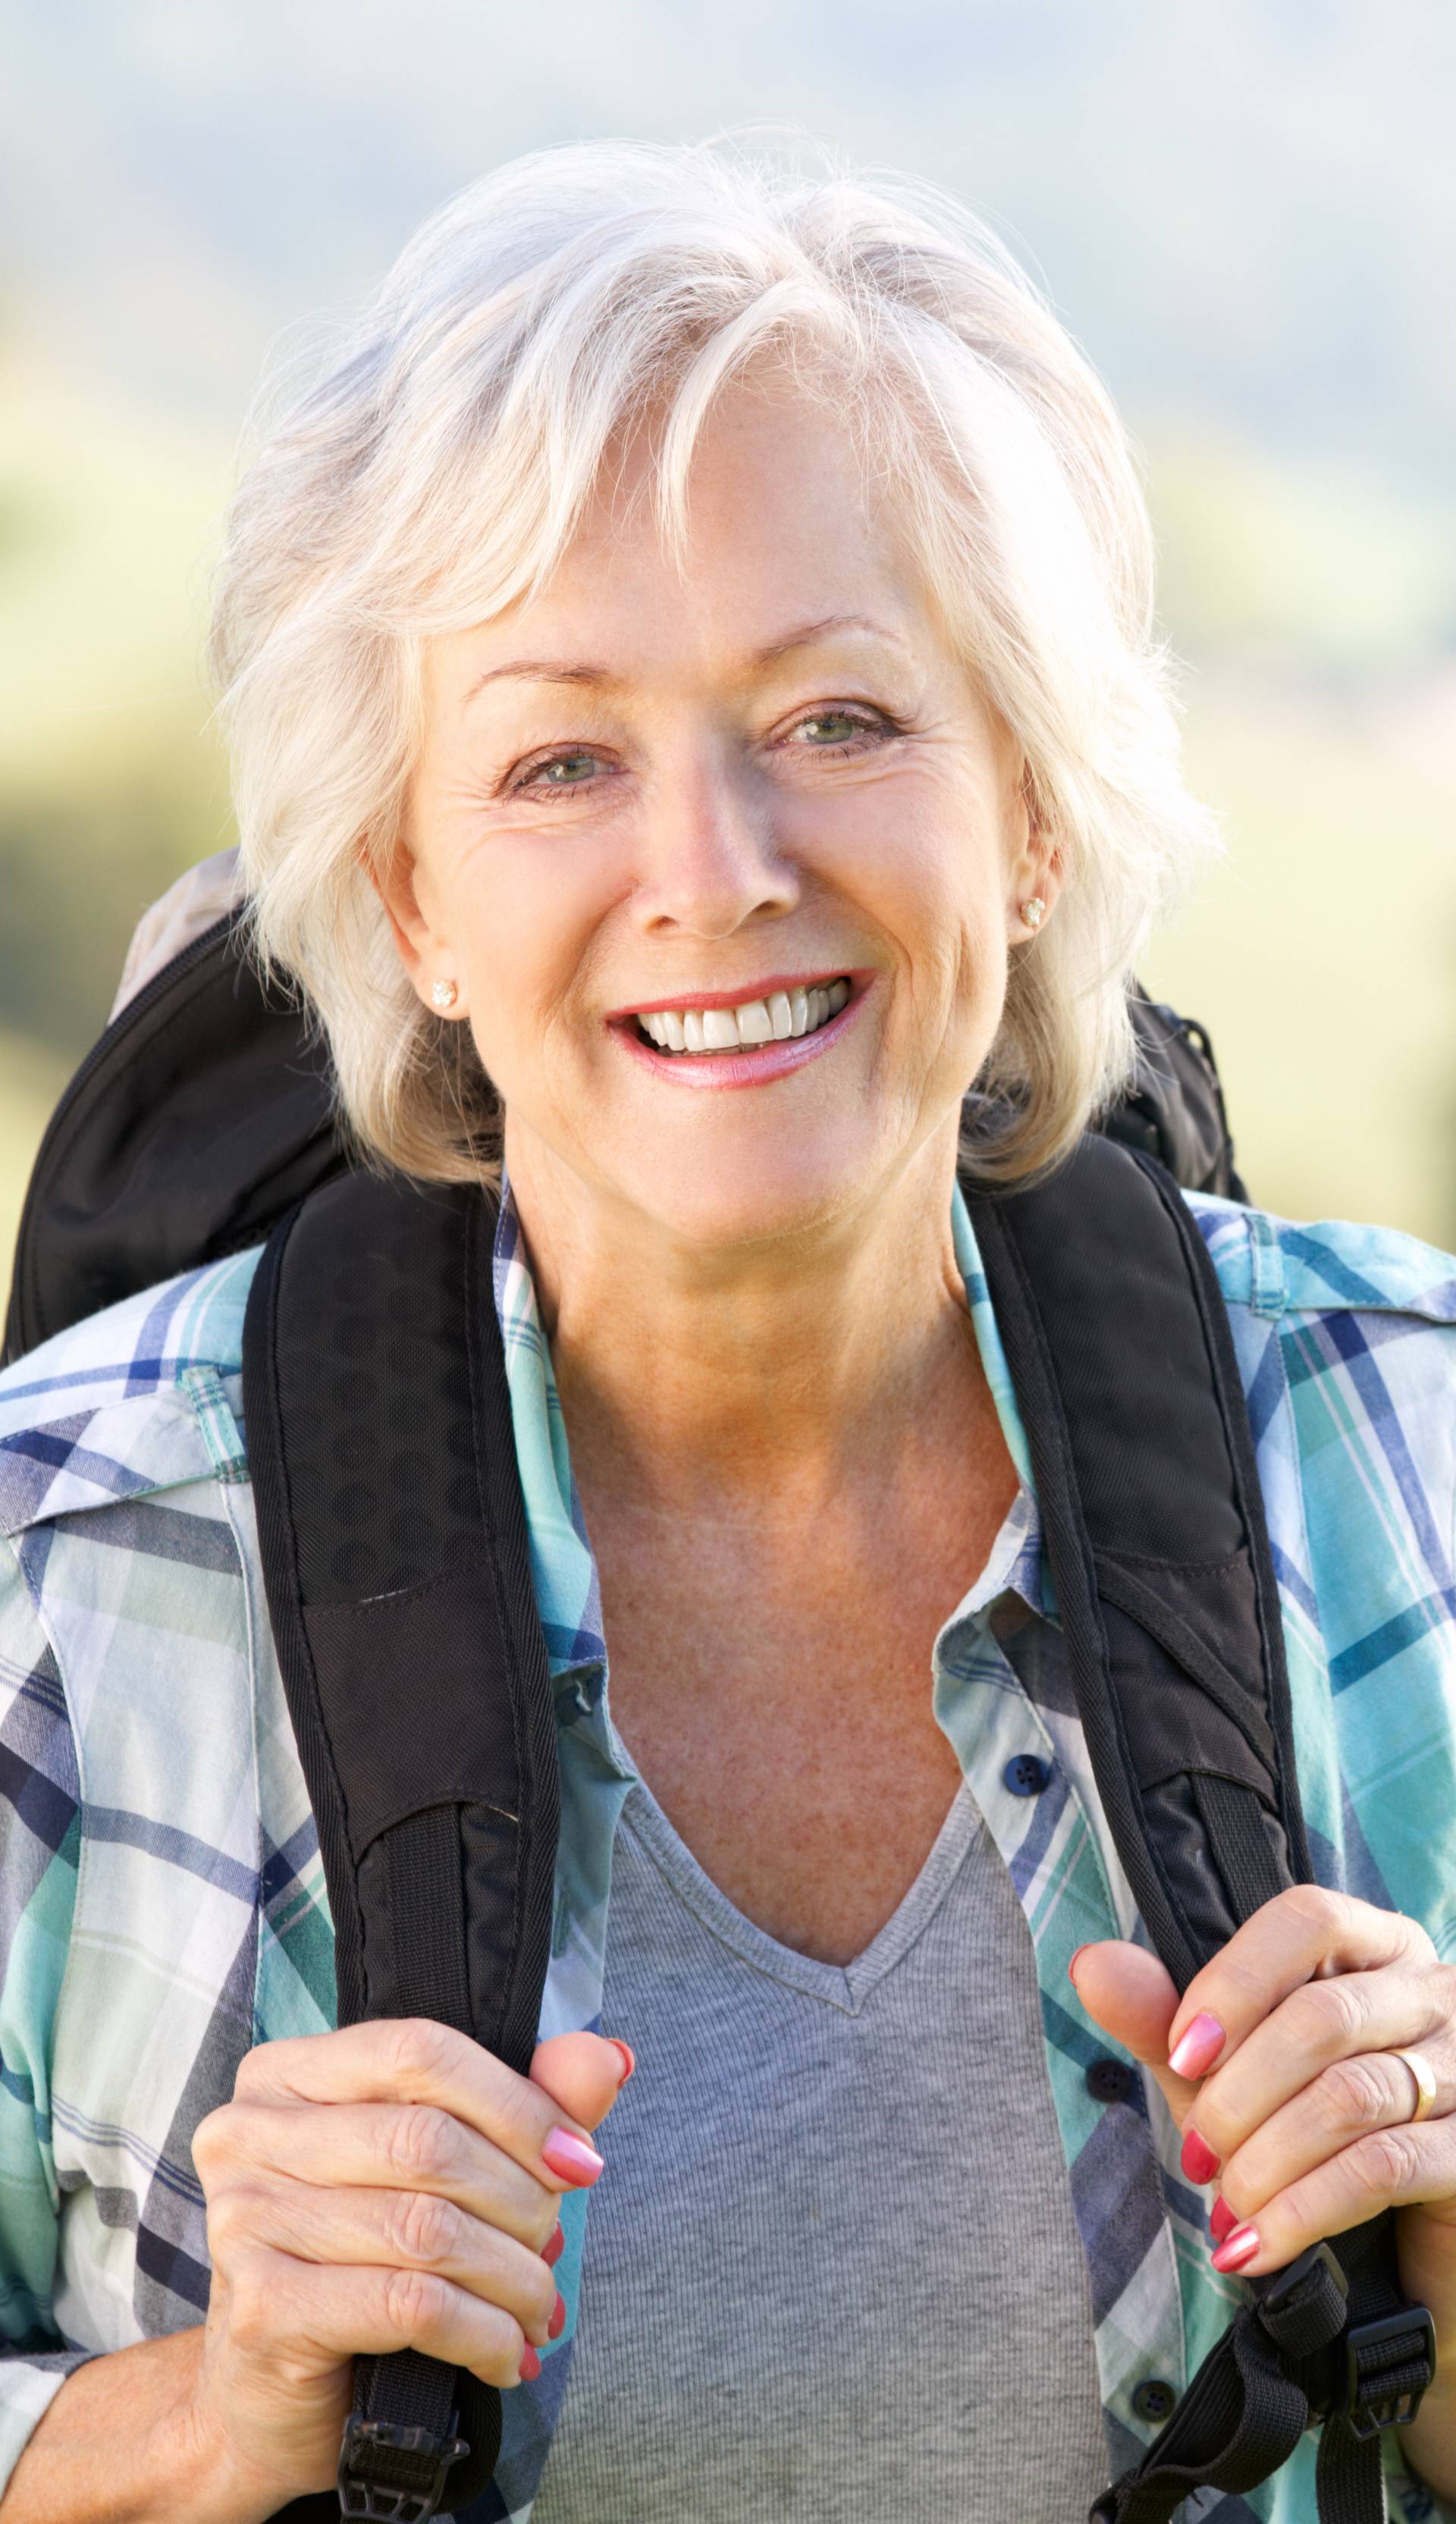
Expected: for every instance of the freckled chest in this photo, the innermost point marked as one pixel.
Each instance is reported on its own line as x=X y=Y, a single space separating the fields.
x=779 y=1705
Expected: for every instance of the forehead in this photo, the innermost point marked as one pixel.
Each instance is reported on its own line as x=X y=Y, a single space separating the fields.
x=782 y=532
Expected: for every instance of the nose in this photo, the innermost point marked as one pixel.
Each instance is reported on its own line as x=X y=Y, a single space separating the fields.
x=710 y=858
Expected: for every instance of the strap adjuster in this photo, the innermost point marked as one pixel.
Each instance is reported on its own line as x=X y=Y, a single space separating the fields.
x=1380 y=2392
x=1303 y=2307
x=389 y=2475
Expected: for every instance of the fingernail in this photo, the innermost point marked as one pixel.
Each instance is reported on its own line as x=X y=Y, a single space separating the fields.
x=629 y=2056
x=1236 y=2249
x=1195 y=2051
x=553 y=2246
x=530 y=2365
x=571 y=2158
x=1072 y=1965
x=1198 y=2161
x=1221 y=2219
x=557 y=2318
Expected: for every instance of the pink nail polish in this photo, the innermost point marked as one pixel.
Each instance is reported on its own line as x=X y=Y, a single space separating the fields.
x=1236 y=2249
x=570 y=2158
x=629 y=2056
x=1221 y=2219
x=558 y=2320
x=1195 y=2051
x=1197 y=2159
x=553 y=2246
x=1072 y=1965
x=530 y=2365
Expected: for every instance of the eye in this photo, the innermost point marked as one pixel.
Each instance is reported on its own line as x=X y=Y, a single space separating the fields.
x=572 y=767
x=843 y=730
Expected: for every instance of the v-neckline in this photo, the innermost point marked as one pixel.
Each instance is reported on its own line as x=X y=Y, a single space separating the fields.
x=844 y=1986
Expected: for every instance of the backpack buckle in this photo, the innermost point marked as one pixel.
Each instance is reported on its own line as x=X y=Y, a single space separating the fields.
x=389 y=2475
x=1380 y=2389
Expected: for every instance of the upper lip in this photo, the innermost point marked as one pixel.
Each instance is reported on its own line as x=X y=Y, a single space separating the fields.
x=818 y=979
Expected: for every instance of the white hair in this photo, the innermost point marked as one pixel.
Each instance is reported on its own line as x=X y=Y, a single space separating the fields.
x=436 y=469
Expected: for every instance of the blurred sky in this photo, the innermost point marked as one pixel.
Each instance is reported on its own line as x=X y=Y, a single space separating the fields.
x=1244 y=210
x=1246 y=207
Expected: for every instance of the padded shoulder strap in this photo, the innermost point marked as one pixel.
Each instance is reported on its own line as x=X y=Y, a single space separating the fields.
x=1122 y=1358
x=394 y=1547
x=1121 y=1354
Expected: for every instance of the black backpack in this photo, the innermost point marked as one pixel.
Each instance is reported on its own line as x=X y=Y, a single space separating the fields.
x=203 y=1123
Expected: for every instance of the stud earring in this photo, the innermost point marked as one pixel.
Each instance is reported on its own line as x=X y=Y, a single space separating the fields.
x=444 y=994
x=1034 y=912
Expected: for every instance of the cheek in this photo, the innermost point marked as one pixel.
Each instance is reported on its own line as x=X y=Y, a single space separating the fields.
x=527 y=928
x=936 y=887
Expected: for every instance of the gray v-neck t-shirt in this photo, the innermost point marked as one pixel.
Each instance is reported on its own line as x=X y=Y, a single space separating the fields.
x=831 y=2269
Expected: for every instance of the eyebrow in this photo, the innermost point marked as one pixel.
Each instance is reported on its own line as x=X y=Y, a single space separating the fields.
x=810 y=632
x=563 y=671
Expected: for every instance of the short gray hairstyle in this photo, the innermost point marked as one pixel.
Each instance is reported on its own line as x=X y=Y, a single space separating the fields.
x=435 y=470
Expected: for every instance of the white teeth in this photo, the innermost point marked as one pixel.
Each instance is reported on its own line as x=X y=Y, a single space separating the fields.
x=775 y=1019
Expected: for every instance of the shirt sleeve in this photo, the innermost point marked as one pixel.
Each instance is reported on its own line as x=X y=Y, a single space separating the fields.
x=39 y=1845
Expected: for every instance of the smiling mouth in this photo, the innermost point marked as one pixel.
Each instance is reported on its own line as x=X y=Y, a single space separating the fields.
x=784 y=1016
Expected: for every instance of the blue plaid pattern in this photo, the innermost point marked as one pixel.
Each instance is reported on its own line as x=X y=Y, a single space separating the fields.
x=161 y=1902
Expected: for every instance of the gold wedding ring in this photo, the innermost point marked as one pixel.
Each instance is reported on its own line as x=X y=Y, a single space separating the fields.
x=1424 y=2077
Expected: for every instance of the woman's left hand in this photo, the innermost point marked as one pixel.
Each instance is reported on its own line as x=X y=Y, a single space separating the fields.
x=1291 y=2099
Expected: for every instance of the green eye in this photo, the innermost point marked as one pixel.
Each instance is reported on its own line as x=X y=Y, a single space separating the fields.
x=565 y=770
x=833 y=726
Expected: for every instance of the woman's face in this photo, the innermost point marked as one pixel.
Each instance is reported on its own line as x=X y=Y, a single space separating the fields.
x=768 y=786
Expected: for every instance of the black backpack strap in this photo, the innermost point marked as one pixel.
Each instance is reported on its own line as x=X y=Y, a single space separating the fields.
x=1334 y=2338
x=394 y=1546
x=1121 y=1354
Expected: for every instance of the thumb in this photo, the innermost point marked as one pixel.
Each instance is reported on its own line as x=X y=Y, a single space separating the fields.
x=583 y=2073
x=1131 y=1996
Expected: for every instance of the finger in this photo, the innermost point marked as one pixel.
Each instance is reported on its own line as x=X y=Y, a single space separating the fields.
x=1376 y=2091
x=275 y=2304
x=413 y=2230
x=1303 y=1931
x=411 y=2060
x=1387 y=2168
x=383 y=2147
x=582 y=2072
x=1317 y=2027
x=1132 y=1997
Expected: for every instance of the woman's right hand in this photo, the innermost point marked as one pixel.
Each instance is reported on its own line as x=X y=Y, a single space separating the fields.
x=391 y=2186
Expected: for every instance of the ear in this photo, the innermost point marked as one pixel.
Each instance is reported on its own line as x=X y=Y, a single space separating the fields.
x=1035 y=870
x=426 y=956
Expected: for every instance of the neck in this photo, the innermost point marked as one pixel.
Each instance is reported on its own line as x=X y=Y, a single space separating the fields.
x=759 y=1383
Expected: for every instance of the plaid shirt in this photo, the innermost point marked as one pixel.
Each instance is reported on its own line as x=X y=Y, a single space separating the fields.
x=161 y=1902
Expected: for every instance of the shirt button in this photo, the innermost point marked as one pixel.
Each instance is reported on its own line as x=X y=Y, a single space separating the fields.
x=1026 y=1776
x=1153 y=2401
x=1110 y=2081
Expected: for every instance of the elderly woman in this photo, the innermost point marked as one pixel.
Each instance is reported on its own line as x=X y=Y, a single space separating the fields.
x=696 y=719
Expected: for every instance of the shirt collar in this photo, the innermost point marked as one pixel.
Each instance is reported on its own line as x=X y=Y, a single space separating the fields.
x=562 y=1567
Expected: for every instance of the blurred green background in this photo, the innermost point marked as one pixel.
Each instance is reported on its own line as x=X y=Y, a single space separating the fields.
x=1246 y=213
